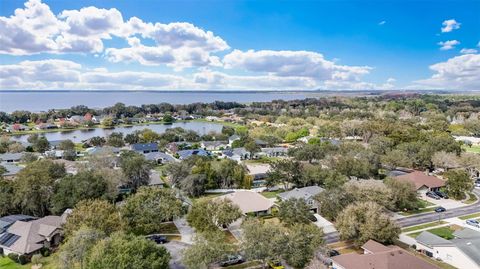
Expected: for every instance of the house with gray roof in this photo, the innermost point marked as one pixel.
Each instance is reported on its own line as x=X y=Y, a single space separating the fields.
x=232 y=139
x=214 y=145
x=159 y=157
x=11 y=157
x=12 y=170
x=144 y=147
x=29 y=237
x=462 y=252
x=306 y=193
x=7 y=221
x=184 y=154
x=274 y=152
x=237 y=154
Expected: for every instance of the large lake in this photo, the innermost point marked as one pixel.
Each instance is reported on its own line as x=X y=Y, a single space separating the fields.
x=42 y=101
x=78 y=136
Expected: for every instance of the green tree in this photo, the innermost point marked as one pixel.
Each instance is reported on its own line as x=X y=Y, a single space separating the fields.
x=7 y=195
x=364 y=221
x=168 y=118
x=66 y=145
x=458 y=183
x=294 y=211
x=207 y=248
x=39 y=143
x=207 y=215
x=34 y=186
x=333 y=201
x=122 y=251
x=108 y=122
x=95 y=214
x=135 y=168
x=262 y=242
x=301 y=242
x=74 y=252
x=144 y=211
x=71 y=189
x=115 y=139
x=404 y=196
x=285 y=172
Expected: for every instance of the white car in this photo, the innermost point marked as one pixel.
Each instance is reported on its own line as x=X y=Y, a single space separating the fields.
x=474 y=223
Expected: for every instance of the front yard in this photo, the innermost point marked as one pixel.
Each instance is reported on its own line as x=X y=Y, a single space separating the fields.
x=47 y=263
x=474 y=149
x=445 y=232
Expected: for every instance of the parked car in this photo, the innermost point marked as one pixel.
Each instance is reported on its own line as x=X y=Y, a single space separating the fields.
x=474 y=223
x=441 y=194
x=231 y=260
x=433 y=195
x=440 y=209
x=477 y=183
x=159 y=239
x=332 y=253
x=275 y=264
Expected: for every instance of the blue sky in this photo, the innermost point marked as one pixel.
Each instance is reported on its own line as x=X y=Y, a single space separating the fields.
x=338 y=45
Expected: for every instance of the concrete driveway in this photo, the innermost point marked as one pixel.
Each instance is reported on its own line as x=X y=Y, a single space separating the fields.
x=323 y=223
x=175 y=248
x=185 y=230
x=447 y=203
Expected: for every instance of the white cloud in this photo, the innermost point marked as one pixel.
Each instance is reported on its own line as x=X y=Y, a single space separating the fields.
x=468 y=51
x=293 y=63
x=457 y=73
x=448 y=45
x=382 y=22
x=450 y=25
x=35 y=29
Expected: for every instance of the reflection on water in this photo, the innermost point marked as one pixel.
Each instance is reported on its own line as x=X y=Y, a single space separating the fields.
x=84 y=134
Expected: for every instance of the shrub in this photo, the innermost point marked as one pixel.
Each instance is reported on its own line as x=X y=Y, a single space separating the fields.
x=45 y=252
x=36 y=259
x=13 y=257
x=22 y=259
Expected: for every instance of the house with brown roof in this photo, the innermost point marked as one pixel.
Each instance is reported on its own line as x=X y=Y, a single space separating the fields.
x=378 y=256
x=250 y=202
x=423 y=182
x=30 y=236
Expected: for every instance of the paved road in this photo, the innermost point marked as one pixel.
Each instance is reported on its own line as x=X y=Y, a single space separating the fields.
x=423 y=218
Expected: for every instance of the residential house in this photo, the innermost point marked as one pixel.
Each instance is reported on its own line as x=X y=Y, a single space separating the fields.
x=233 y=138
x=462 y=252
x=258 y=172
x=17 y=127
x=261 y=143
x=45 y=126
x=159 y=157
x=184 y=154
x=7 y=221
x=29 y=237
x=306 y=193
x=237 y=154
x=173 y=147
x=105 y=150
x=12 y=170
x=250 y=202
x=144 y=147
x=214 y=145
x=76 y=119
x=423 y=181
x=155 y=179
x=274 y=152
x=11 y=157
x=378 y=256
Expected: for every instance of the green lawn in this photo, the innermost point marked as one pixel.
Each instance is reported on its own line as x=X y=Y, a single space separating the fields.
x=419 y=211
x=271 y=194
x=6 y=263
x=471 y=198
x=471 y=216
x=168 y=228
x=444 y=232
x=423 y=226
x=474 y=149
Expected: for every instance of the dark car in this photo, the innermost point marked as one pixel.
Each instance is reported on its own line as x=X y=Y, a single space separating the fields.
x=440 y=209
x=231 y=260
x=332 y=253
x=159 y=239
x=312 y=218
x=433 y=195
x=441 y=194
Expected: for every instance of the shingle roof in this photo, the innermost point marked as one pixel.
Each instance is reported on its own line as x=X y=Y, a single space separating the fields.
x=373 y=246
x=30 y=235
x=421 y=179
x=190 y=152
x=429 y=239
x=466 y=233
x=470 y=247
x=304 y=193
x=249 y=201
x=152 y=156
x=12 y=169
x=11 y=156
x=144 y=146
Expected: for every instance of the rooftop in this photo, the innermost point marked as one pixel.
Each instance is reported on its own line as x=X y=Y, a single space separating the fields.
x=419 y=179
x=249 y=201
x=302 y=193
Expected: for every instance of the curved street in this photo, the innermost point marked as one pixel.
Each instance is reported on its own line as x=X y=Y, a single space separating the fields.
x=423 y=218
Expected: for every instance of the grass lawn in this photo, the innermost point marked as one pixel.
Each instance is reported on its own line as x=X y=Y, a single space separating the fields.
x=471 y=216
x=445 y=232
x=6 y=263
x=474 y=149
x=471 y=198
x=273 y=220
x=423 y=226
x=425 y=203
x=245 y=265
x=271 y=194
x=168 y=228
